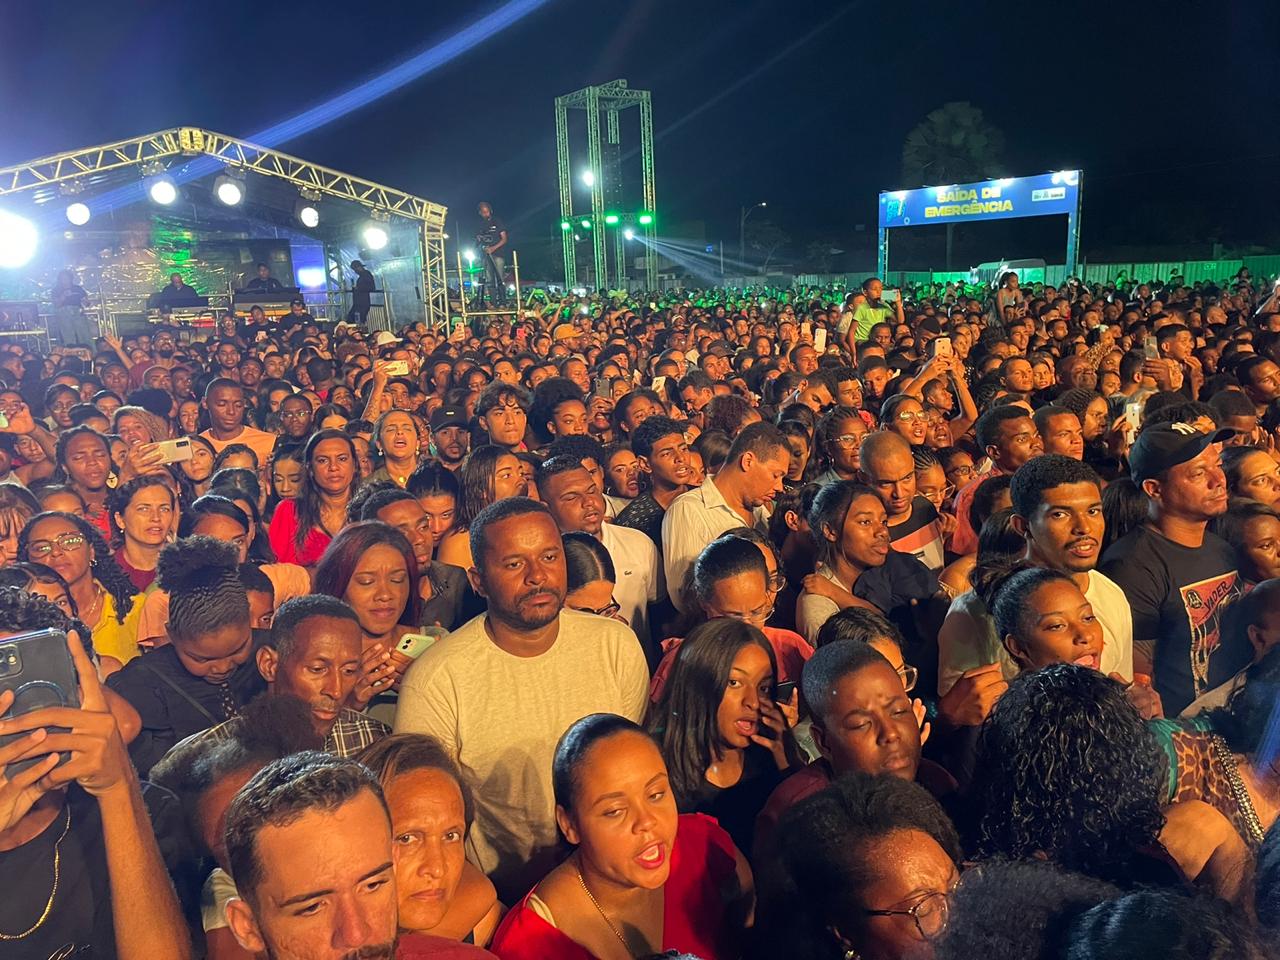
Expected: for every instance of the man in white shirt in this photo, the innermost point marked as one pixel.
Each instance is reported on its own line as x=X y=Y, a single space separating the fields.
x=577 y=504
x=500 y=691
x=737 y=496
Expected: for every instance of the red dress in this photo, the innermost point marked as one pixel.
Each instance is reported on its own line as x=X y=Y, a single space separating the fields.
x=694 y=921
x=283 y=532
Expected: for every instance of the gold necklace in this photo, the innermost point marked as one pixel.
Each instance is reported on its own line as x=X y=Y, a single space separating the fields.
x=600 y=910
x=57 y=865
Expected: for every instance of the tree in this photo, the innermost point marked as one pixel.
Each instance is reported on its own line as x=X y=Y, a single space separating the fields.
x=819 y=255
x=764 y=237
x=953 y=144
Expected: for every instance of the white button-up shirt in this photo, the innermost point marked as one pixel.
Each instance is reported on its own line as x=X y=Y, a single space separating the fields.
x=693 y=520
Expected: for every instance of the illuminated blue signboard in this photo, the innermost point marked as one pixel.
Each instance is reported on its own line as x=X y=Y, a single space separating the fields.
x=1047 y=194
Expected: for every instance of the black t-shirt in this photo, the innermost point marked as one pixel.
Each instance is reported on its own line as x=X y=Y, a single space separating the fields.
x=79 y=925
x=736 y=807
x=644 y=514
x=491 y=231
x=1177 y=595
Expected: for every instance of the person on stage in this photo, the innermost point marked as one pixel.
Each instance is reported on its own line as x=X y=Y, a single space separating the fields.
x=365 y=285
x=71 y=326
x=176 y=294
x=264 y=282
x=492 y=238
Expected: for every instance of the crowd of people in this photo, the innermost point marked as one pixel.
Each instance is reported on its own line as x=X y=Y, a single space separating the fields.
x=820 y=624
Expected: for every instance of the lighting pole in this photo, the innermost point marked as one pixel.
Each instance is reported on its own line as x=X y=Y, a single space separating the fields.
x=742 y=230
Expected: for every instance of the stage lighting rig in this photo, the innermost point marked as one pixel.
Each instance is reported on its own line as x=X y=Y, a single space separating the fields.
x=229 y=187
x=18 y=240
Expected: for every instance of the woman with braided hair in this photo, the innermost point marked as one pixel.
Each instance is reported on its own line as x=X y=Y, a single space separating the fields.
x=206 y=673
x=104 y=595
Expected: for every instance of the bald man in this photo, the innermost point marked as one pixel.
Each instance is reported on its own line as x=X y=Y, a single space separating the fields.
x=887 y=466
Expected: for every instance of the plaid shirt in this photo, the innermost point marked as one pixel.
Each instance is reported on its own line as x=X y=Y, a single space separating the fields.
x=351 y=733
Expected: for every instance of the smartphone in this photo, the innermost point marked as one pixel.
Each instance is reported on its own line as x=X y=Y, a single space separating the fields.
x=659 y=383
x=889 y=295
x=942 y=346
x=38 y=668
x=397 y=368
x=820 y=340
x=1132 y=418
x=414 y=645
x=603 y=389
x=783 y=692
x=1150 y=348
x=175 y=451
x=806 y=329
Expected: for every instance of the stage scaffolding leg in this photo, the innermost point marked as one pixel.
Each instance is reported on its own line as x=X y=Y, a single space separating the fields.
x=435 y=282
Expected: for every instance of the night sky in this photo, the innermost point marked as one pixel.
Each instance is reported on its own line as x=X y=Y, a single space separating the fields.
x=1171 y=108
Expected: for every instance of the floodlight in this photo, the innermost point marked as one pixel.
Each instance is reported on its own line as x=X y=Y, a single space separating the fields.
x=566 y=225
x=18 y=240
x=645 y=219
x=589 y=178
x=162 y=191
x=307 y=213
x=375 y=237
x=470 y=255
x=229 y=190
x=1069 y=177
x=611 y=219
x=629 y=233
x=78 y=213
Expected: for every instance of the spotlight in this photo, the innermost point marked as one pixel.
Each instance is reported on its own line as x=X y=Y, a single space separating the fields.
x=645 y=219
x=229 y=190
x=586 y=224
x=78 y=213
x=629 y=233
x=17 y=240
x=566 y=225
x=375 y=237
x=162 y=191
x=310 y=277
x=307 y=213
x=611 y=219
x=470 y=255
x=589 y=178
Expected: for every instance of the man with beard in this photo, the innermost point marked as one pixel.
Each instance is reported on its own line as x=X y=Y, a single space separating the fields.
x=308 y=840
x=502 y=690
x=450 y=436
x=163 y=349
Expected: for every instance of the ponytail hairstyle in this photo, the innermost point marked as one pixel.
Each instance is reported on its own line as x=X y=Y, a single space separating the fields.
x=103 y=569
x=202 y=577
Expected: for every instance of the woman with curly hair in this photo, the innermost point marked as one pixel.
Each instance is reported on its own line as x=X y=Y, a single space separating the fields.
x=864 y=868
x=206 y=673
x=143 y=512
x=1068 y=772
x=105 y=597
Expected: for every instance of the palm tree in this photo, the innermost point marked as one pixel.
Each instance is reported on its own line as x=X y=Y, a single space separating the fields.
x=953 y=144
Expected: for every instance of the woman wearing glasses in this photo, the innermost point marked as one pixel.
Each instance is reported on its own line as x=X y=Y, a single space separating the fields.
x=726 y=740
x=863 y=869
x=839 y=435
x=591 y=577
x=905 y=416
x=106 y=599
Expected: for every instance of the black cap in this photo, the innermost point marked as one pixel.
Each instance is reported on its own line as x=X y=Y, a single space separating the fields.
x=721 y=349
x=448 y=417
x=1166 y=445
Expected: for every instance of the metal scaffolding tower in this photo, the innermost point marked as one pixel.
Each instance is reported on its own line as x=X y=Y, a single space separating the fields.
x=609 y=207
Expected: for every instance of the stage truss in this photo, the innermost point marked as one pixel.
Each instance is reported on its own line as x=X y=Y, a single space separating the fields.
x=245 y=156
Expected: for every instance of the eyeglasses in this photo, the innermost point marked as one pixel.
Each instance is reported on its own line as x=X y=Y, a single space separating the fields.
x=777 y=581
x=963 y=473
x=846 y=440
x=758 y=615
x=906 y=416
x=909 y=675
x=608 y=610
x=65 y=543
x=930 y=914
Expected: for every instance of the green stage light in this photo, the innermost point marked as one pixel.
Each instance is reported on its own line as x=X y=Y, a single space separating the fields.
x=586 y=224
x=611 y=219
x=646 y=219
x=566 y=225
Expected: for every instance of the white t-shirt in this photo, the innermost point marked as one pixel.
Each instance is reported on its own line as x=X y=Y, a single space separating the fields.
x=500 y=717
x=639 y=574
